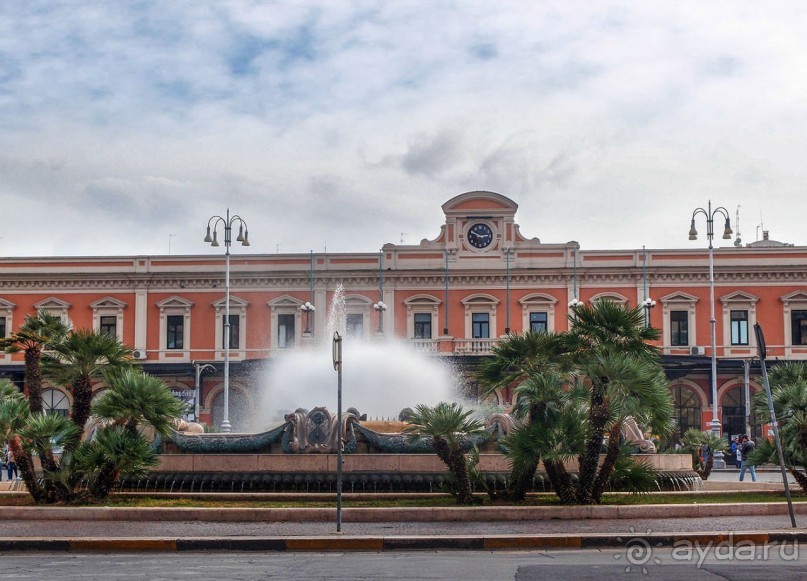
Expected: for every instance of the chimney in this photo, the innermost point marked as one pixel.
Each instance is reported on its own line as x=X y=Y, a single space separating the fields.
x=765 y=234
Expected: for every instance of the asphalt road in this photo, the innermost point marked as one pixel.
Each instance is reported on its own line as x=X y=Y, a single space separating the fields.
x=466 y=566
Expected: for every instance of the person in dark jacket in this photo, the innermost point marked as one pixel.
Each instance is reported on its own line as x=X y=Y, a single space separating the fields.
x=746 y=448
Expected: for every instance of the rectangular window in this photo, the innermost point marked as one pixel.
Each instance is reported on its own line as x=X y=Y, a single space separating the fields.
x=109 y=326
x=2 y=327
x=355 y=325
x=739 y=327
x=480 y=325
x=285 y=331
x=679 y=328
x=423 y=326
x=235 y=324
x=175 y=332
x=799 y=328
x=538 y=322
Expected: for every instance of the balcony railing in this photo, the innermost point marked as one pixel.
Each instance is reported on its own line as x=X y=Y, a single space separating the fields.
x=474 y=346
x=427 y=346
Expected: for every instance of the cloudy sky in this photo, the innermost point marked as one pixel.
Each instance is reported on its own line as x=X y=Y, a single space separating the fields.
x=345 y=124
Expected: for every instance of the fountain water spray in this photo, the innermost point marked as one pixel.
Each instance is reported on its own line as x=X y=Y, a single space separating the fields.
x=381 y=376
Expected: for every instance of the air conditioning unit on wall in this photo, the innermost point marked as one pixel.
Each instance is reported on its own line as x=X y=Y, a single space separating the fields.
x=139 y=354
x=697 y=350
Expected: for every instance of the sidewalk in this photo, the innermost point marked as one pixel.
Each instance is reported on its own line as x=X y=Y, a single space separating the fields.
x=389 y=529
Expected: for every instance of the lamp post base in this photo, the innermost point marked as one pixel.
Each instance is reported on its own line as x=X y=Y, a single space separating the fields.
x=226 y=427
x=718 y=461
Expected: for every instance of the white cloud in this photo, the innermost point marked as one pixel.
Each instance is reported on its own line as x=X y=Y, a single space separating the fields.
x=349 y=123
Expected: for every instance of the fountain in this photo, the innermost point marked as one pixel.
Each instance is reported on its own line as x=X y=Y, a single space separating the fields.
x=299 y=452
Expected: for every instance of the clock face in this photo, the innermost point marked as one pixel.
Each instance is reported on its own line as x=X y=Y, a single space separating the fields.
x=480 y=235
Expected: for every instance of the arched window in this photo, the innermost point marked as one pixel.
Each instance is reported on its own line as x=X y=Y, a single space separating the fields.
x=733 y=404
x=687 y=410
x=55 y=401
x=240 y=410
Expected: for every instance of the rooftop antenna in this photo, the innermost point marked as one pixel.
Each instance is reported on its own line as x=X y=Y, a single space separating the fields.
x=738 y=242
x=277 y=248
x=761 y=225
x=169 y=243
x=402 y=237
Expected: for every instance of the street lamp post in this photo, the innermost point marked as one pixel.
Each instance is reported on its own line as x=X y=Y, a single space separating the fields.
x=575 y=302
x=380 y=307
x=308 y=308
x=243 y=237
x=200 y=368
x=647 y=303
x=507 y=253
x=337 y=365
x=710 y=214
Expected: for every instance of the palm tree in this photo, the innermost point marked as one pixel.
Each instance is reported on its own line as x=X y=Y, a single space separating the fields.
x=519 y=356
x=637 y=388
x=610 y=342
x=14 y=412
x=134 y=400
x=604 y=353
x=788 y=385
x=80 y=358
x=43 y=432
x=606 y=323
x=114 y=451
x=695 y=441
x=37 y=332
x=445 y=423
x=543 y=402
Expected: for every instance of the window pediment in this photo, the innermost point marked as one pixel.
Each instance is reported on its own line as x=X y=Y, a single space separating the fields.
x=480 y=299
x=679 y=297
x=798 y=296
x=738 y=297
x=7 y=305
x=422 y=301
x=537 y=299
x=108 y=303
x=285 y=302
x=609 y=296
x=235 y=302
x=357 y=301
x=174 y=302
x=52 y=304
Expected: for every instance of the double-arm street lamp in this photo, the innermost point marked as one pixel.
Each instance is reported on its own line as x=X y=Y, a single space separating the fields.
x=710 y=214
x=243 y=237
x=307 y=308
x=380 y=306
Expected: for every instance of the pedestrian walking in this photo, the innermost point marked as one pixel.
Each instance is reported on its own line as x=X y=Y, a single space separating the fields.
x=11 y=465
x=747 y=446
x=735 y=451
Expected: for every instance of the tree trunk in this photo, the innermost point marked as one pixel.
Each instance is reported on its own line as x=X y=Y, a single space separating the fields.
x=597 y=418
x=521 y=483
x=800 y=477
x=455 y=461
x=82 y=401
x=607 y=468
x=561 y=481
x=33 y=378
x=25 y=465
x=103 y=485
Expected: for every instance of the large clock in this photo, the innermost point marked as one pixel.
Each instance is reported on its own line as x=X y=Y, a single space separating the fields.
x=480 y=235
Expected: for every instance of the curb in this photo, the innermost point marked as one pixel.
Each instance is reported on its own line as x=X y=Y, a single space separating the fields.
x=396 y=514
x=403 y=543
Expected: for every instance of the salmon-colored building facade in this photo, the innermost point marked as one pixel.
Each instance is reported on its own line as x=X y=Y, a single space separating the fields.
x=453 y=296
